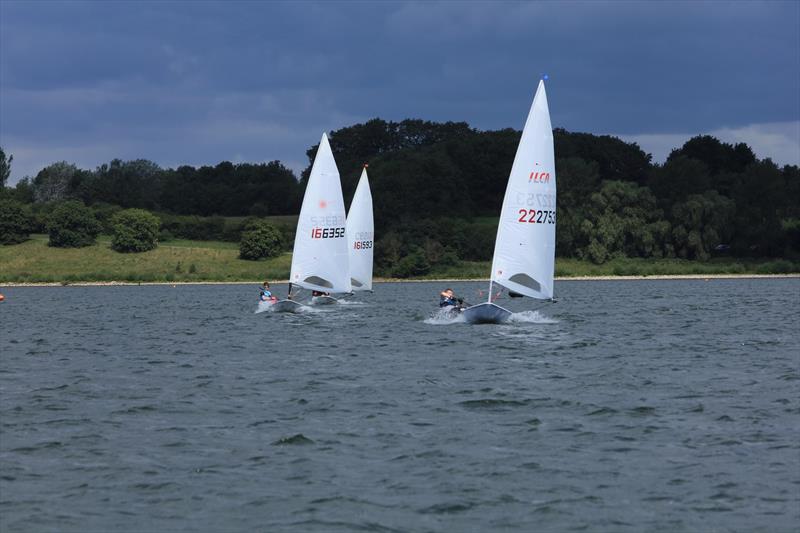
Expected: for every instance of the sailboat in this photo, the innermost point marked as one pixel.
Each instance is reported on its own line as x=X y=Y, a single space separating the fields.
x=524 y=252
x=320 y=256
x=360 y=236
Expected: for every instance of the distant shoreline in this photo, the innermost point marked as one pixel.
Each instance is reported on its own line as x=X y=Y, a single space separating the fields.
x=392 y=280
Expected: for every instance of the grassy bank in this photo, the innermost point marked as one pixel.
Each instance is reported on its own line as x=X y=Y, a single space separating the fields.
x=176 y=260
x=183 y=260
x=573 y=268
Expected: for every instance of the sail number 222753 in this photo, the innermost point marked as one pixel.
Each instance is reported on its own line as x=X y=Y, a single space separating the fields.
x=532 y=216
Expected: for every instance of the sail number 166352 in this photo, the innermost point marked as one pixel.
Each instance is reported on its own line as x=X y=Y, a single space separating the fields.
x=327 y=233
x=532 y=216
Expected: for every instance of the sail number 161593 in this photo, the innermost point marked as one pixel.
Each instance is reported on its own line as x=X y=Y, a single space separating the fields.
x=532 y=216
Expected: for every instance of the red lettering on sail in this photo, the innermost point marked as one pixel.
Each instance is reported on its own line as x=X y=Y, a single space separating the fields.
x=539 y=177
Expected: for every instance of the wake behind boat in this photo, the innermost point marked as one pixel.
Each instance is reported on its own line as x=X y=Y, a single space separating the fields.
x=524 y=253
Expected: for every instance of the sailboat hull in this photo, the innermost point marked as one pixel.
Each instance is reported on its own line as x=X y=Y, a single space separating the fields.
x=486 y=313
x=324 y=300
x=286 y=306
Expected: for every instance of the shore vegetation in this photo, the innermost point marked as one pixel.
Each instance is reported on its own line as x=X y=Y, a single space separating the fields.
x=437 y=189
x=182 y=260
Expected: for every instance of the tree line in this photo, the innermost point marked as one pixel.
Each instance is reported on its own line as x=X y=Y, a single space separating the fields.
x=438 y=189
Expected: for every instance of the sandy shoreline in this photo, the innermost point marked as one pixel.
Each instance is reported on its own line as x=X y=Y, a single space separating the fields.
x=390 y=280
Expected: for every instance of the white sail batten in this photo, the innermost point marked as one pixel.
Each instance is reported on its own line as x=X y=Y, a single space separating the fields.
x=524 y=253
x=320 y=257
x=360 y=236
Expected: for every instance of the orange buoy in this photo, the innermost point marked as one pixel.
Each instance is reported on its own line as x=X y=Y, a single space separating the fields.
x=2 y=297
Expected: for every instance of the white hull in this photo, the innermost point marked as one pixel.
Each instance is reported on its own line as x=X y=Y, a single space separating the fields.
x=324 y=300
x=486 y=313
x=286 y=306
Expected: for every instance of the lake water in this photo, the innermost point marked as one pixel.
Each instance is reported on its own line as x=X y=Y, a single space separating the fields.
x=626 y=406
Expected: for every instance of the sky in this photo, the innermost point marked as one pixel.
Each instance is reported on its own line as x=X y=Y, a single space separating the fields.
x=203 y=82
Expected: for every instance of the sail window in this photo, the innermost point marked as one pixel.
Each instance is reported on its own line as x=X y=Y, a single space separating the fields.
x=526 y=281
x=316 y=280
x=355 y=283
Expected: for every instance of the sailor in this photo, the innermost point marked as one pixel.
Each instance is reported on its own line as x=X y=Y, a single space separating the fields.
x=319 y=293
x=265 y=294
x=448 y=298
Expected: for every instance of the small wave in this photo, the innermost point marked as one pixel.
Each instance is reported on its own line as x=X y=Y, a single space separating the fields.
x=262 y=306
x=493 y=404
x=443 y=317
x=293 y=440
x=267 y=306
x=534 y=317
x=448 y=508
x=352 y=302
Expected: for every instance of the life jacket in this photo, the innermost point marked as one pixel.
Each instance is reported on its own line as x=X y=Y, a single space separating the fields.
x=444 y=302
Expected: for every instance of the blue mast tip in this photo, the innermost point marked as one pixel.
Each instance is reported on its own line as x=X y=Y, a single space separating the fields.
x=545 y=77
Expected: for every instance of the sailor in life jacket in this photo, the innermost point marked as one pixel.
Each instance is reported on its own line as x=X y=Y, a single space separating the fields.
x=265 y=294
x=447 y=298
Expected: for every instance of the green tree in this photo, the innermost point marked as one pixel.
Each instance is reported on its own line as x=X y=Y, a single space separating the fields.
x=414 y=264
x=762 y=194
x=5 y=167
x=15 y=222
x=135 y=230
x=622 y=219
x=716 y=155
x=72 y=225
x=700 y=223
x=260 y=239
x=678 y=178
x=135 y=183
x=53 y=183
x=615 y=159
x=22 y=192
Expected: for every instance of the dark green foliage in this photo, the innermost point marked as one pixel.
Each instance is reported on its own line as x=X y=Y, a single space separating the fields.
x=761 y=198
x=424 y=183
x=621 y=220
x=679 y=178
x=700 y=223
x=194 y=227
x=134 y=183
x=5 y=167
x=227 y=189
x=438 y=188
x=56 y=182
x=135 y=230
x=260 y=239
x=717 y=156
x=440 y=242
x=22 y=192
x=104 y=213
x=615 y=159
x=72 y=225
x=413 y=264
x=363 y=143
x=15 y=222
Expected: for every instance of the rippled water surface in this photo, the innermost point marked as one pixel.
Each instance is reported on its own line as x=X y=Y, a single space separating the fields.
x=626 y=406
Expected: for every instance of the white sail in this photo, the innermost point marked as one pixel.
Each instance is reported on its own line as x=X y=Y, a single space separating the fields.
x=524 y=253
x=360 y=236
x=320 y=258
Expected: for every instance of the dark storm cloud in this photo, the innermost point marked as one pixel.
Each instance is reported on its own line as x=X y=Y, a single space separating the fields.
x=203 y=82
